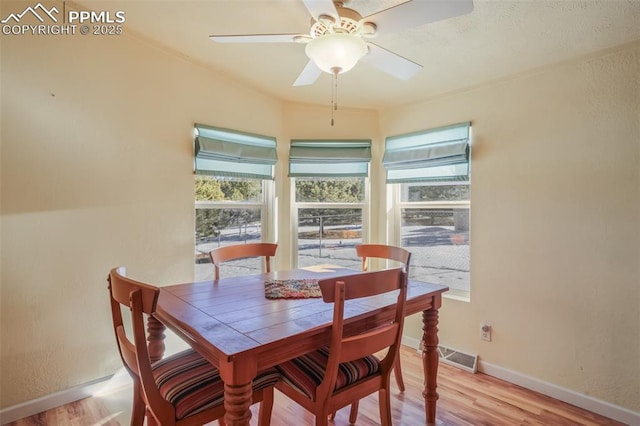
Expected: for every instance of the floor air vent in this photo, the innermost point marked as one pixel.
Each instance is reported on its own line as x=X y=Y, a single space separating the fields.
x=458 y=359
x=468 y=362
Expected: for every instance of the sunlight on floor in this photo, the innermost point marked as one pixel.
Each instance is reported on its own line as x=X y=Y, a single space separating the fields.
x=115 y=395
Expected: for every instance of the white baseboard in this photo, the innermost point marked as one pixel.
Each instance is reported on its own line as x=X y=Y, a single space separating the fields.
x=76 y=393
x=569 y=396
x=412 y=342
x=586 y=402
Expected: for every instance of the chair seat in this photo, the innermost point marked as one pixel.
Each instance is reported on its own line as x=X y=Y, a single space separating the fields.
x=305 y=373
x=192 y=385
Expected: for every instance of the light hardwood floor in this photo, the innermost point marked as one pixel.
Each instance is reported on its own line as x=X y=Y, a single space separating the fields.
x=466 y=399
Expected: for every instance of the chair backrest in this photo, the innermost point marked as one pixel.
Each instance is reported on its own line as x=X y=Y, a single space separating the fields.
x=381 y=251
x=345 y=348
x=240 y=251
x=141 y=299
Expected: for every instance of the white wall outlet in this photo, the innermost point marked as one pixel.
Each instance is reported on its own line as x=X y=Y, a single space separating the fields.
x=485 y=332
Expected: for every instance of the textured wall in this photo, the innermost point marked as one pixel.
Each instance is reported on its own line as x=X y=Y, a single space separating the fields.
x=97 y=164
x=555 y=223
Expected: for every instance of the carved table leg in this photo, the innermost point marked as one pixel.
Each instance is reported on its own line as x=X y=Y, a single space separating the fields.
x=155 y=330
x=237 y=400
x=430 y=361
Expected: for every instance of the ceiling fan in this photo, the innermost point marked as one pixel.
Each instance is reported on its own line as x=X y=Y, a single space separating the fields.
x=339 y=36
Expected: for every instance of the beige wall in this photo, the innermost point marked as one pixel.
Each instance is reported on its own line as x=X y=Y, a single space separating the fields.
x=555 y=223
x=97 y=172
x=97 y=137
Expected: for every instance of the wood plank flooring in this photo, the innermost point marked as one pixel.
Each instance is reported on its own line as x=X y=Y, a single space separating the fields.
x=465 y=400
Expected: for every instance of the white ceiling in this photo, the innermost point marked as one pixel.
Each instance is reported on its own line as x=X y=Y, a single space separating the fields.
x=499 y=38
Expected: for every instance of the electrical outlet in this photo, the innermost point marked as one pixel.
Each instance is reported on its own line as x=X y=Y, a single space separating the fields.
x=485 y=332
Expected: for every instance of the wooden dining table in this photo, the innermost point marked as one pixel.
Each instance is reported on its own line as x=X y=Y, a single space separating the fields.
x=233 y=325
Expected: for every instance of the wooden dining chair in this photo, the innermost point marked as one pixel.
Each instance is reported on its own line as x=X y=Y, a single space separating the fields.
x=240 y=251
x=398 y=254
x=342 y=373
x=182 y=389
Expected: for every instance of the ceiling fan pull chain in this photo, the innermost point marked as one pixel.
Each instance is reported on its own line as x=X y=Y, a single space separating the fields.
x=335 y=90
x=332 y=104
x=334 y=93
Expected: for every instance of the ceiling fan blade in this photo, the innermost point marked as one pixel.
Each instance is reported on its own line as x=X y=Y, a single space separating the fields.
x=255 y=38
x=309 y=75
x=390 y=62
x=417 y=12
x=321 y=7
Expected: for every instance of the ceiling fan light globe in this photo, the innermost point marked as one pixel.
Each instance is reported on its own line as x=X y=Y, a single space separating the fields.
x=336 y=51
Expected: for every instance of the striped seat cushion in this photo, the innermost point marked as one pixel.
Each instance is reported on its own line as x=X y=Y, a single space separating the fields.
x=192 y=385
x=305 y=373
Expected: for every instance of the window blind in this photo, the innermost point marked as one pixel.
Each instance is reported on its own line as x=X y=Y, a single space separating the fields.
x=224 y=152
x=329 y=158
x=440 y=154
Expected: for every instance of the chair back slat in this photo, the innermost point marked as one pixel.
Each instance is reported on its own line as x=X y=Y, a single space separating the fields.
x=368 y=343
x=127 y=350
x=361 y=285
x=382 y=251
x=242 y=251
x=123 y=286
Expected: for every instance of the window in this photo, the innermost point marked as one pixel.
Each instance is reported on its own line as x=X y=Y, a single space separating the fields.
x=330 y=185
x=430 y=173
x=233 y=189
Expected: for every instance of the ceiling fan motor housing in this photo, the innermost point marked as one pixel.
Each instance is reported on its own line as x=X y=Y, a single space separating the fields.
x=349 y=22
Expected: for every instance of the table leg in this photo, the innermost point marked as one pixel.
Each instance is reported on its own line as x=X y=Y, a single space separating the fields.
x=430 y=361
x=237 y=400
x=155 y=331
